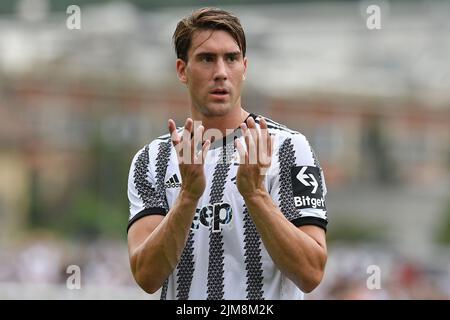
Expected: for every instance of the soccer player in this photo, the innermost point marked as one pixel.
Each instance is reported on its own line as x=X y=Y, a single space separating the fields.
x=240 y=217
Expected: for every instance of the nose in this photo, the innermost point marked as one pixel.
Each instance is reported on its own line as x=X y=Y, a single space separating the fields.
x=220 y=72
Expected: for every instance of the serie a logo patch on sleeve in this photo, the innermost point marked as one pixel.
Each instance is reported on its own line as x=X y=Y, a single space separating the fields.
x=307 y=187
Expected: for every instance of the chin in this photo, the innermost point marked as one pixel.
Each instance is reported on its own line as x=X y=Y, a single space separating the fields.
x=216 y=109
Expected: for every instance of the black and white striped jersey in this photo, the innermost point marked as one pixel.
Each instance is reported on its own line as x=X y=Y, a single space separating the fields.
x=224 y=257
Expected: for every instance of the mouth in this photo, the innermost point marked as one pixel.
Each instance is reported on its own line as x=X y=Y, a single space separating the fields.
x=219 y=93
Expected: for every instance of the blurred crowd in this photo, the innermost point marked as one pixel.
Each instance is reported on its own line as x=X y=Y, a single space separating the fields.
x=359 y=272
x=353 y=272
x=46 y=262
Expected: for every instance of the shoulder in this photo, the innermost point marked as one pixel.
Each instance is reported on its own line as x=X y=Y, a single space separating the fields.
x=158 y=147
x=285 y=135
x=291 y=145
x=277 y=128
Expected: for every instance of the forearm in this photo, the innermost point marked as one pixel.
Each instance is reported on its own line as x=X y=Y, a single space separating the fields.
x=156 y=258
x=301 y=258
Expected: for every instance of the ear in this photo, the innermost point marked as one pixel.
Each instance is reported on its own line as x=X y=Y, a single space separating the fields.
x=181 y=70
x=245 y=69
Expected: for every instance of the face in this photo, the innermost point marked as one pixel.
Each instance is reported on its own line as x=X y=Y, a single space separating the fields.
x=214 y=73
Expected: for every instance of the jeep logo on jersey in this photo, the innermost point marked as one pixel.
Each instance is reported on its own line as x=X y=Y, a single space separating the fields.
x=214 y=216
x=306 y=187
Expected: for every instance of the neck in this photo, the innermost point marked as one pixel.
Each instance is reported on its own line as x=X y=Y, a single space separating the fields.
x=231 y=120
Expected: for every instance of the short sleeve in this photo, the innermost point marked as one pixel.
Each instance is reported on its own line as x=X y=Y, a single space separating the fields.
x=146 y=197
x=297 y=183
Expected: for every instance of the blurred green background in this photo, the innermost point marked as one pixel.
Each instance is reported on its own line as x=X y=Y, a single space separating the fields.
x=75 y=106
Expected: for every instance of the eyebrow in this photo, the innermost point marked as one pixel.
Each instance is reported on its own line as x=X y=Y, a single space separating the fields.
x=233 y=53
x=229 y=54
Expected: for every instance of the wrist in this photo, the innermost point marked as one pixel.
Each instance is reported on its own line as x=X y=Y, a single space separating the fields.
x=189 y=196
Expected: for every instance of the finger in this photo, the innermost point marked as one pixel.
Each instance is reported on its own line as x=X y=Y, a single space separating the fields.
x=247 y=139
x=196 y=140
x=270 y=143
x=172 y=126
x=188 y=125
x=264 y=143
x=198 y=135
x=252 y=141
x=266 y=136
x=247 y=135
x=243 y=127
x=252 y=152
x=251 y=124
x=205 y=149
x=185 y=142
x=175 y=138
x=263 y=123
x=254 y=132
x=173 y=132
x=186 y=135
x=264 y=131
x=241 y=151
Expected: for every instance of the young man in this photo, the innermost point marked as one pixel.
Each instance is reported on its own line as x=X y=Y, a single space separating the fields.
x=244 y=220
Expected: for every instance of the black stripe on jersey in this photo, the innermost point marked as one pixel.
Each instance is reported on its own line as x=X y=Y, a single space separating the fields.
x=144 y=188
x=153 y=196
x=147 y=212
x=282 y=126
x=252 y=254
x=154 y=202
x=215 y=282
x=186 y=269
x=302 y=221
x=162 y=161
x=164 y=290
x=286 y=158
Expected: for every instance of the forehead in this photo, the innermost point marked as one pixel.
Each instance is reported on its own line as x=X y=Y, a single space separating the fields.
x=213 y=41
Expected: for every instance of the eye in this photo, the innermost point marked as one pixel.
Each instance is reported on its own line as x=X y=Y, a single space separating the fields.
x=232 y=58
x=207 y=59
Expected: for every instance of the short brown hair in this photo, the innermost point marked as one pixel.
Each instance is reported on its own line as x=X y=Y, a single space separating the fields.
x=206 y=19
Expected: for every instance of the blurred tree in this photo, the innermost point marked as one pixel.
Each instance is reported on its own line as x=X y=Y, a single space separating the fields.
x=351 y=231
x=99 y=206
x=36 y=206
x=443 y=234
x=95 y=203
x=380 y=167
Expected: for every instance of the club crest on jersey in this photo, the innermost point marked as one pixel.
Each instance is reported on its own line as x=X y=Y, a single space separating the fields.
x=213 y=215
x=307 y=188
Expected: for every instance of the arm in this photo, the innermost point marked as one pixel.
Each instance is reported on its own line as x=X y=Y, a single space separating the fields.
x=155 y=243
x=303 y=255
